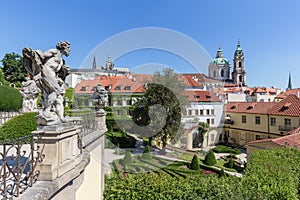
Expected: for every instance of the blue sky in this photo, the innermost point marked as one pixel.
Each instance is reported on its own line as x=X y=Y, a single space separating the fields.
x=269 y=31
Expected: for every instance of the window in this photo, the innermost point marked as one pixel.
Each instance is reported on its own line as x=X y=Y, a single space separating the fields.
x=240 y=64
x=257 y=120
x=222 y=73
x=287 y=122
x=212 y=112
x=207 y=112
x=201 y=112
x=129 y=102
x=212 y=121
x=127 y=88
x=119 y=112
x=118 y=87
x=257 y=137
x=214 y=73
x=196 y=112
x=190 y=112
x=220 y=137
x=240 y=78
x=273 y=121
x=119 y=103
x=208 y=121
x=244 y=119
x=242 y=136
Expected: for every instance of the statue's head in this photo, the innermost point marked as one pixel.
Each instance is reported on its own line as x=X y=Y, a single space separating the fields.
x=64 y=47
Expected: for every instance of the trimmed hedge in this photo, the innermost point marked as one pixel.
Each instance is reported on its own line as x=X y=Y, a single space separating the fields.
x=225 y=149
x=127 y=158
x=11 y=99
x=18 y=126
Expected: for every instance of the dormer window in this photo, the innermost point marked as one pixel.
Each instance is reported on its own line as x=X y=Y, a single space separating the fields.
x=250 y=107
x=84 y=88
x=118 y=87
x=196 y=97
x=127 y=88
x=208 y=96
x=233 y=107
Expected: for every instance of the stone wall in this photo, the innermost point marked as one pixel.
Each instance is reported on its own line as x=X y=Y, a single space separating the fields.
x=5 y=116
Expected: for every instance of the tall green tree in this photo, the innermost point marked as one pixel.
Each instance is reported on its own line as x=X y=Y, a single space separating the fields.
x=168 y=91
x=13 y=69
x=2 y=79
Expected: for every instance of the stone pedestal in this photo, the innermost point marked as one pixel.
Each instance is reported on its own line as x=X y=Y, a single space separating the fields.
x=189 y=140
x=59 y=144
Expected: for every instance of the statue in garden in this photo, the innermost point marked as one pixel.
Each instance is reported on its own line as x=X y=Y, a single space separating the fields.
x=100 y=97
x=30 y=93
x=48 y=70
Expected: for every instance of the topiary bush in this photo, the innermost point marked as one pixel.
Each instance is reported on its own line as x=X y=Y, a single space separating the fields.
x=18 y=126
x=11 y=99
x=127 y=158
x=210 y=158
x=195 y=163
x=147 y=155
x=230 y=163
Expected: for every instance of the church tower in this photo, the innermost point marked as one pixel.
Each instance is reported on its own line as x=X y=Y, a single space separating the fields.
x=239 y=73
x=219 y=68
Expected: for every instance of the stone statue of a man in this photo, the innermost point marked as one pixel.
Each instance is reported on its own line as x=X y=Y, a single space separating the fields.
x=49 y=71
x=100 y=97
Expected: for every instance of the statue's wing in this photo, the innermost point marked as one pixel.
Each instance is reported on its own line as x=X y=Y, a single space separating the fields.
x=32 y=61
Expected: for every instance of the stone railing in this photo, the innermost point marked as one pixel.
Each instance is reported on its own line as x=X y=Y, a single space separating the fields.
x=67 y=149
x=18 y=170
x=5 y=116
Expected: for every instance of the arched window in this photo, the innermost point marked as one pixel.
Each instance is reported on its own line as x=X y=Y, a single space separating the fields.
x=240 y=78
x=222 y=73
x=240 y=64
x=214 y=73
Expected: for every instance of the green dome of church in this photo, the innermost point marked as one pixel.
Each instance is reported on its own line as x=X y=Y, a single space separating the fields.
x=219 y=59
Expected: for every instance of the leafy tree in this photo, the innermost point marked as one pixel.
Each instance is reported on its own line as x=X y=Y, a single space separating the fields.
x=128 y=157
x=195 y=163
x=210 y=158
x=147 y=155
x=13 y=69
x=166 y=90
x=2 y=78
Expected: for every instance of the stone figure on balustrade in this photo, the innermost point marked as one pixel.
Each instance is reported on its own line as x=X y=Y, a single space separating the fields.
x=48 y=70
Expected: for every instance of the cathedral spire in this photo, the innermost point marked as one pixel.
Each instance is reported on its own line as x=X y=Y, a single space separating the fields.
x=290 y=82
x=94 y=63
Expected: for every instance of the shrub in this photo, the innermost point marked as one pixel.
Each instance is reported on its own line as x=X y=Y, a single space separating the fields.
x=222 y=173
x=18 y=126
x=194 y=164
x=147 y=155
x=128 y=158
x=11 y=99
x=210 y=158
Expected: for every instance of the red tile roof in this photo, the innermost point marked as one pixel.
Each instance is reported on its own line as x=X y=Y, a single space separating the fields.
x=282 y=95
x=290 y=106
x=190 y=80
x=249 y=107
x=117 y=84
x=289 y=140
x=201 y=96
